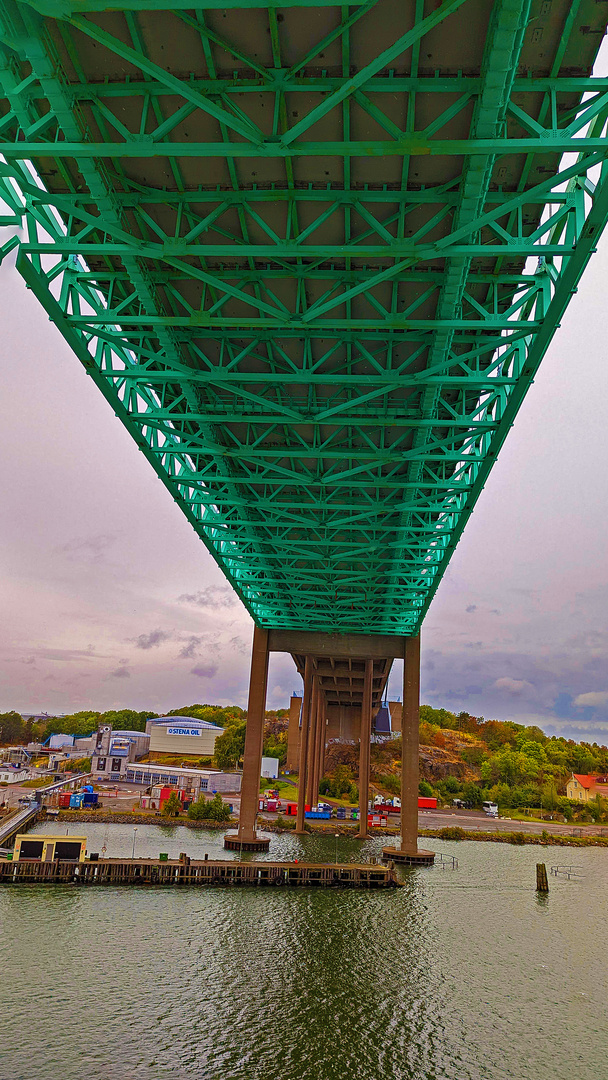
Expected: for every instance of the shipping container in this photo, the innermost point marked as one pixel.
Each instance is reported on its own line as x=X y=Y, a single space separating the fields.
x=272 y=805
x=426 y=803
x=317 y=815
x=64 y=799
x=291 y=809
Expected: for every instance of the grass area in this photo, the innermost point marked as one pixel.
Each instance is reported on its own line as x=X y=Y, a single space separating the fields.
x=287 y=792
x=38 y=781
x=518 y=815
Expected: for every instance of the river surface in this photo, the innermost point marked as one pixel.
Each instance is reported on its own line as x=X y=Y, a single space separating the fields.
x=461 y=975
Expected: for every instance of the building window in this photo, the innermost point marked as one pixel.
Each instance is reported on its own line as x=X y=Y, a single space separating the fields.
x=116 y=763
x=101 y=764
x=204 y=785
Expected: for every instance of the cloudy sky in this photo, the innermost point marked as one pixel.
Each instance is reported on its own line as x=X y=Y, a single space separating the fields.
x=109 y=600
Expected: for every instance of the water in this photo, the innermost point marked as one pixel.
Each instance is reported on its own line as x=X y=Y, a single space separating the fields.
x=462 y=975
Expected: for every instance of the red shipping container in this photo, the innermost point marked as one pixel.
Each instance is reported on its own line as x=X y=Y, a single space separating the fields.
x=272 y=804
x=291 y=809
x=426 y=803
x=64 y=799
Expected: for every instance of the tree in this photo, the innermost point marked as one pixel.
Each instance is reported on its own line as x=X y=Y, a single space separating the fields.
x=209 y=809
x=472 y=793
x=230 y=746
x=171 y=806
x=451 y=784
x=550 y=796
x=12 y=727
x=425 y=789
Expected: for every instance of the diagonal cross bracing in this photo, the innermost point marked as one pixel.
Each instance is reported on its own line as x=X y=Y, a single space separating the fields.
x=312 y=255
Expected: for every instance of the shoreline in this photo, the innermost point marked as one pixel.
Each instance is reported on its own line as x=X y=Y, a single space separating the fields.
x=451 y=833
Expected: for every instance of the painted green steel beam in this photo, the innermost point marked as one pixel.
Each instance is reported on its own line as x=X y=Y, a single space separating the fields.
x=553 y=142
x=60 y=9
x=228 y=441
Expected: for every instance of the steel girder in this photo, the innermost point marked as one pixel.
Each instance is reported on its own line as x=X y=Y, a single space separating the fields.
x=321 y=369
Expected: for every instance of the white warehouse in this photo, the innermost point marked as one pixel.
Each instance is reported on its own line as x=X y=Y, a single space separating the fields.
x=182 y=735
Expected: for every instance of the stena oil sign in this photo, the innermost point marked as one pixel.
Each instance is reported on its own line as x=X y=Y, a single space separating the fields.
x=183 y=731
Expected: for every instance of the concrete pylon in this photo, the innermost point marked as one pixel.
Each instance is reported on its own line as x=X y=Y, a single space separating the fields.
x=365 y=748
x=302 y=778
x=246 y=839
x=311 y=794
x=409 y=852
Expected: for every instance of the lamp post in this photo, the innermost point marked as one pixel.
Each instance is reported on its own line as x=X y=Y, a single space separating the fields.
x=337 y=835
x=134 y=838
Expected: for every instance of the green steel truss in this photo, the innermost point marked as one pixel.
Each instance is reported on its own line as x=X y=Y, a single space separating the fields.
x=312 y=256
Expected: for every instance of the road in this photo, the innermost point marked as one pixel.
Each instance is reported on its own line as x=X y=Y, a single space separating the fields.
x=126 y=797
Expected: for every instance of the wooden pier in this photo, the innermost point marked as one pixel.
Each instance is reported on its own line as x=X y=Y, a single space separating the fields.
x=186 y=871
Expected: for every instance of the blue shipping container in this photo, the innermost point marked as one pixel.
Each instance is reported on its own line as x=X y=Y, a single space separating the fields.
x=317 y=814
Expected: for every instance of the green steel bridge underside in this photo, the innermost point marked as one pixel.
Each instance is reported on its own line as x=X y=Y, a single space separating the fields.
x=312 y=254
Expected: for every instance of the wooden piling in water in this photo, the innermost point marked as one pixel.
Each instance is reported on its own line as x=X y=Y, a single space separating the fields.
x=542 y=883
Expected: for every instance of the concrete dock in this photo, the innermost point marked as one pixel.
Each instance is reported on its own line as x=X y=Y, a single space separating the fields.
x=186 y=871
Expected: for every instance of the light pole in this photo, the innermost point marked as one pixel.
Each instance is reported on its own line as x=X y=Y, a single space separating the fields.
x=134 y=838
x=337 y=835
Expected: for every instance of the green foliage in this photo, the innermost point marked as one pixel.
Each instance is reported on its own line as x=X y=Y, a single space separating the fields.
x=473 y=755
x=425 y=789
x=209 y=809
x=230 y=746
x=473 y=794
x=12 y=728
x=391 y=783
x=452 y=832
x=77 y=765
x=340 y=786
x=171 y=806
x=275 y=746
x=549 y=801
x=438 y=717
x=221 y=715
x=451 y=785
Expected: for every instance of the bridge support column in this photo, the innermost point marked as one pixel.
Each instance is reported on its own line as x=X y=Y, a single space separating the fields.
x=246 y=839
x=311 y=794
x=303 y=778
x=319 y=743
x=365 y=748
x=409 y=852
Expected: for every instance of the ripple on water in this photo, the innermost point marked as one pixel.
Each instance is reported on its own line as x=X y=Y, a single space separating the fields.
x=457 y=976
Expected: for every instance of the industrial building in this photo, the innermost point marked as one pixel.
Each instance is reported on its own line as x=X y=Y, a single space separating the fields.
x=113 y=751
x=182 y=735
x=13 y=774
x=194 y=780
